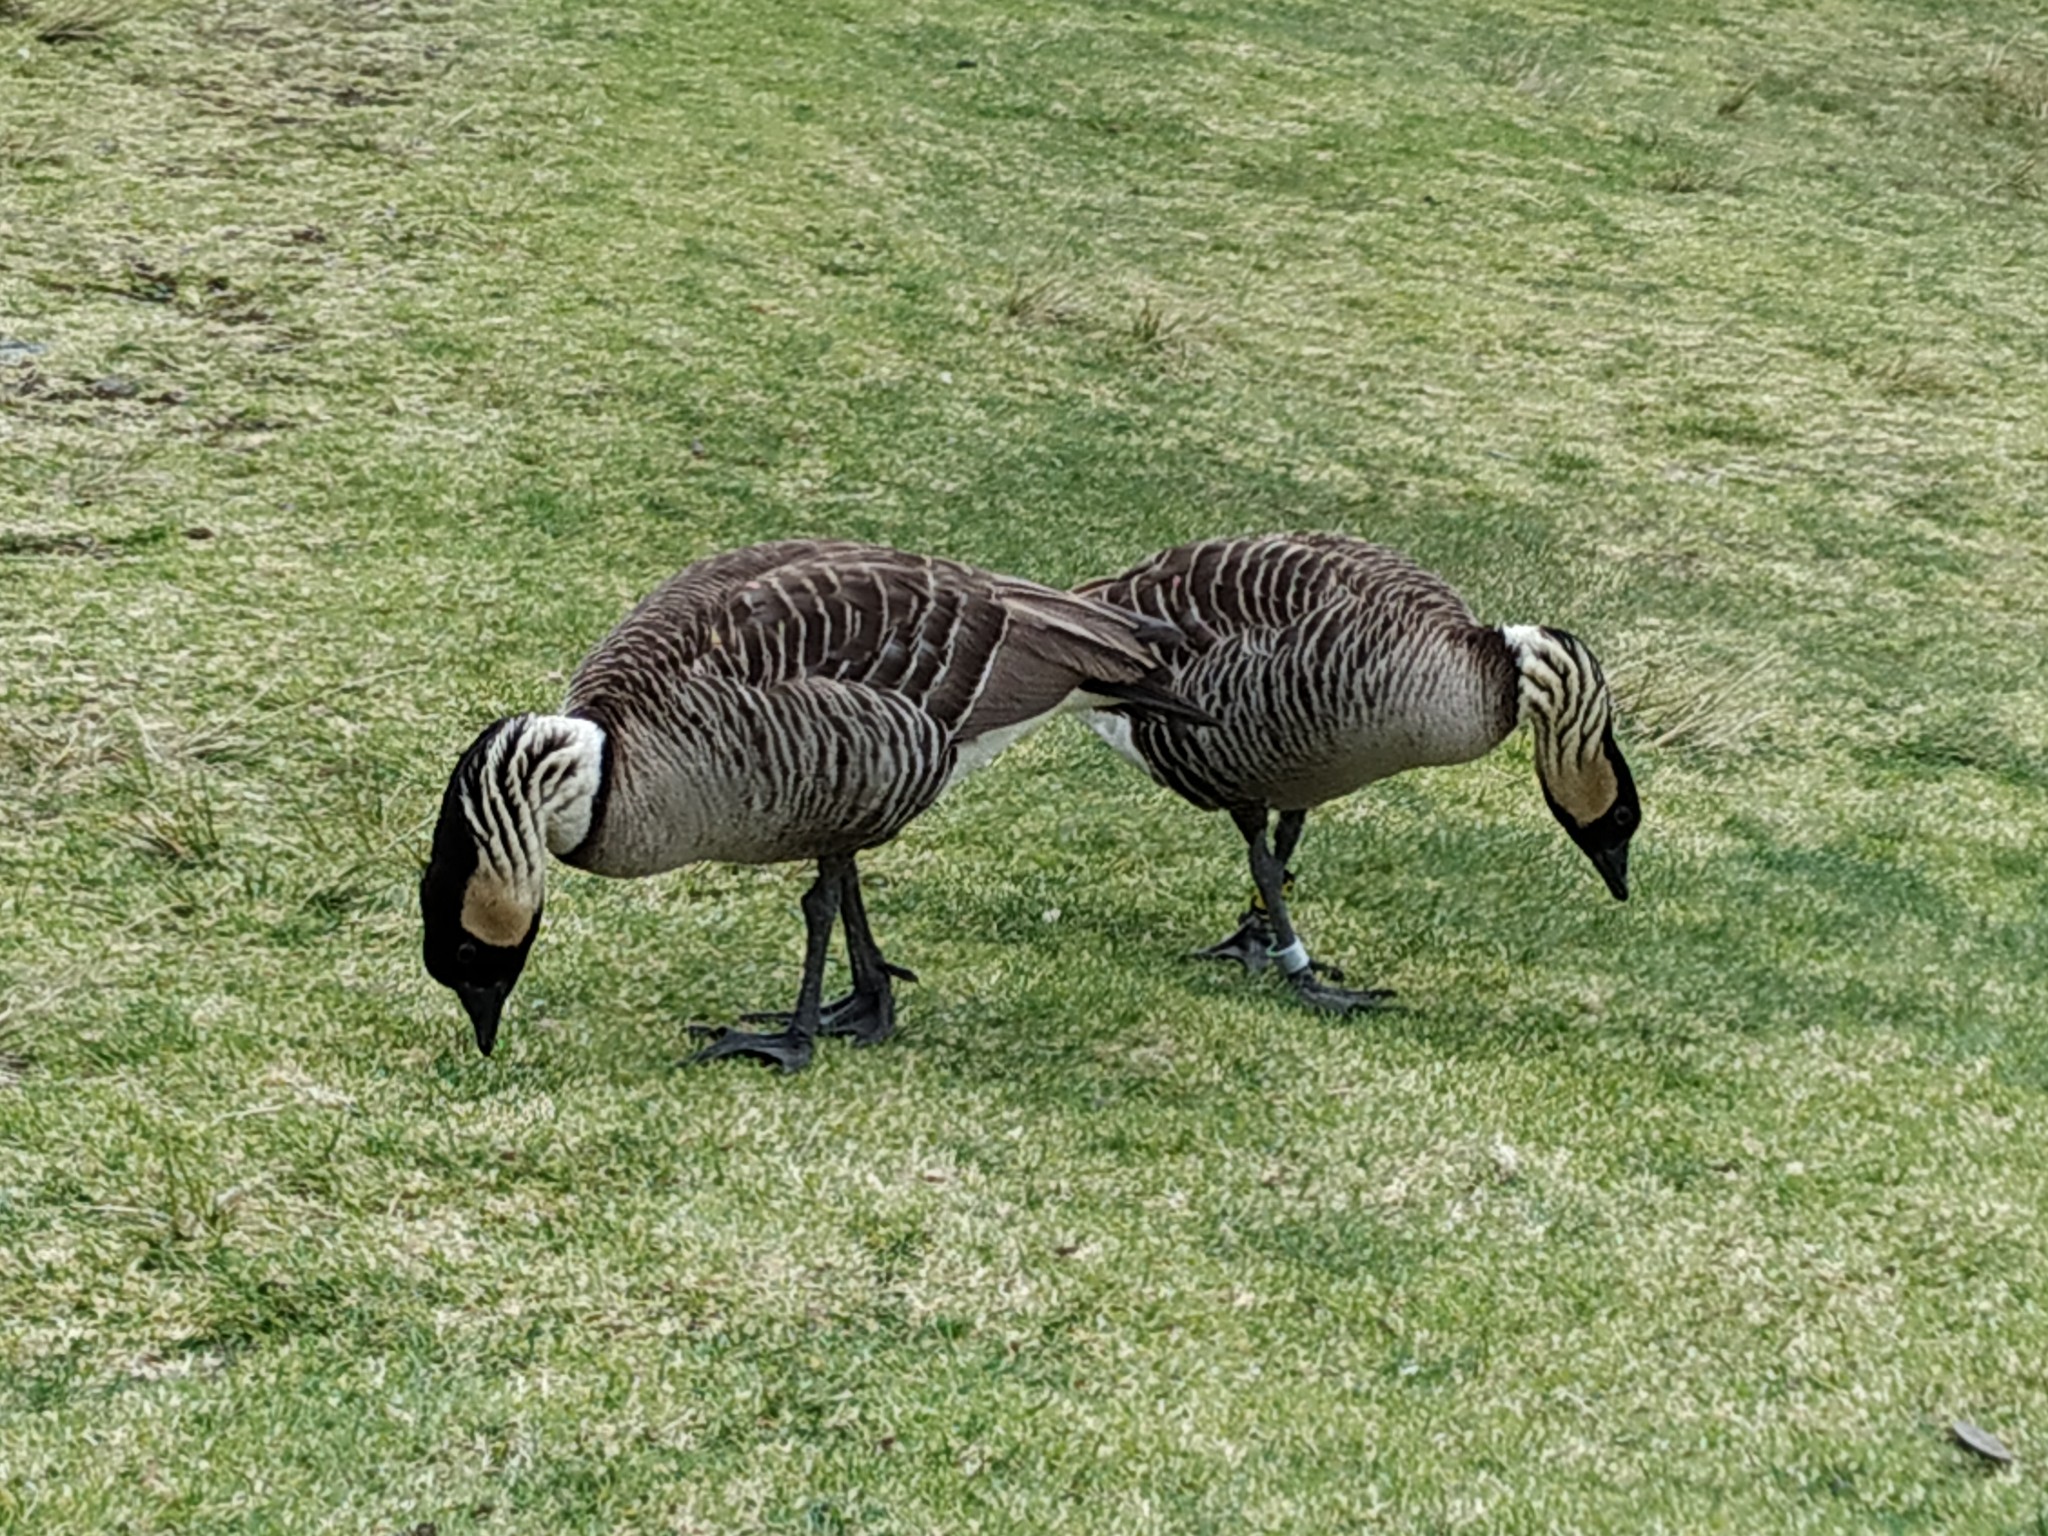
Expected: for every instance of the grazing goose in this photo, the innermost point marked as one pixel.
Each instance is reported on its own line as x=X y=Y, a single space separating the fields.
x=796 y=700
x=1330 y=662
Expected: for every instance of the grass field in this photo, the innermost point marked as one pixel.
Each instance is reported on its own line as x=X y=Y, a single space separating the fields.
x=360 y=363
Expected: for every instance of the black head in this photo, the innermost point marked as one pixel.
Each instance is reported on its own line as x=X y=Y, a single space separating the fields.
x=1605 y=839
x=458 y=897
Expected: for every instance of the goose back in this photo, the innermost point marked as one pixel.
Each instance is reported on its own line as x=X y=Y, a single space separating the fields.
x=810 y=697
x=1330 y=662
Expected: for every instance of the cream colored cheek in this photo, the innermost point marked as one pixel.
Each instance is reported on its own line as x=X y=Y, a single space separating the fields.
x=1590 y=794
x=491 y=914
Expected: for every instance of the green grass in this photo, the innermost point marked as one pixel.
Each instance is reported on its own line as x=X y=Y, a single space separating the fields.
x=359 y=365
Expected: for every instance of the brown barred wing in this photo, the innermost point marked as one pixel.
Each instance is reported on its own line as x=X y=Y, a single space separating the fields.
x=1057 y=644
x=1278 y=703
x=914 y=628
x=1218 y=587
x=977 y=652
x=692 y=619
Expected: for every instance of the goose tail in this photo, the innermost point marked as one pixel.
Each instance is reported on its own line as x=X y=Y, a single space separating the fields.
x=1150 y=695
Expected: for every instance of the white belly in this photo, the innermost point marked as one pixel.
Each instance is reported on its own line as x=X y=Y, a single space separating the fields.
x=1116 y=730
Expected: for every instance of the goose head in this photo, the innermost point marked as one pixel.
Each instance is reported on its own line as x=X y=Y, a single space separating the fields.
x=1586 y=781
x=480 y=894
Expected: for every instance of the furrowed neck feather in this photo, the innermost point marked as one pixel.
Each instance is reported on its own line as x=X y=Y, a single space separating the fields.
x=1564 y=697
x=533 y=784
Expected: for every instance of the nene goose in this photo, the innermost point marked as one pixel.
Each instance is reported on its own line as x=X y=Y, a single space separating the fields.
x=795 y=700
x=1329 y=663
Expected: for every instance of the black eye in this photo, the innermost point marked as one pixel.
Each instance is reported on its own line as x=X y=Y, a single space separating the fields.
x=465 y=954
x=1624 y=818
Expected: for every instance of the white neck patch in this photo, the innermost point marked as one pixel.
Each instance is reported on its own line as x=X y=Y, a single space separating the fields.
x=1539 y=663
x=568 y=775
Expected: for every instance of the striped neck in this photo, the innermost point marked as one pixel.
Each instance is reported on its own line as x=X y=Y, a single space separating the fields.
x=531 y=783
x=1563 y=695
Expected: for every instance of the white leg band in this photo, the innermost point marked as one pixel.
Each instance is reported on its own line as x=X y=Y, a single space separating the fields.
x=1292 y=960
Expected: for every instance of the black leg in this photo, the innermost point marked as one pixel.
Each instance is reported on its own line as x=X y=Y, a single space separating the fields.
x=1284 y=946
x=1287 y=838
x=1252 y=944
x=790 y=1050
x=868 y=1012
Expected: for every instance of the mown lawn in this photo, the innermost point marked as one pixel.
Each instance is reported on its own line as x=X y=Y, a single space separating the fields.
x=359 y=364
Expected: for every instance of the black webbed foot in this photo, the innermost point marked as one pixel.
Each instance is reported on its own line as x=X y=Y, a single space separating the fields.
x=1310 y=987
x=787 y=1051
x=867 y=1018
x=1251 y=946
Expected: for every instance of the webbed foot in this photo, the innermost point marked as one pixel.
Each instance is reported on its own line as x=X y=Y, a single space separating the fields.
x=1323 y=995
x=1251 y=946
x=866 y=1018
x=787 y=1051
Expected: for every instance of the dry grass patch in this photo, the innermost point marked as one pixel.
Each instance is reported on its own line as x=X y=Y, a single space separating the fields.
x=1048 y=301
x=55 y=761
x=1738 y=96
x=15 y=1059
x=1691 y=177
x=212 y=332
x=57 y=22
x=1904 y=376
x=26 y=151
x=1666 y=703
x=2009 y=88
x=2021 y=180
x=1528 y=70
x=1156 y=328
